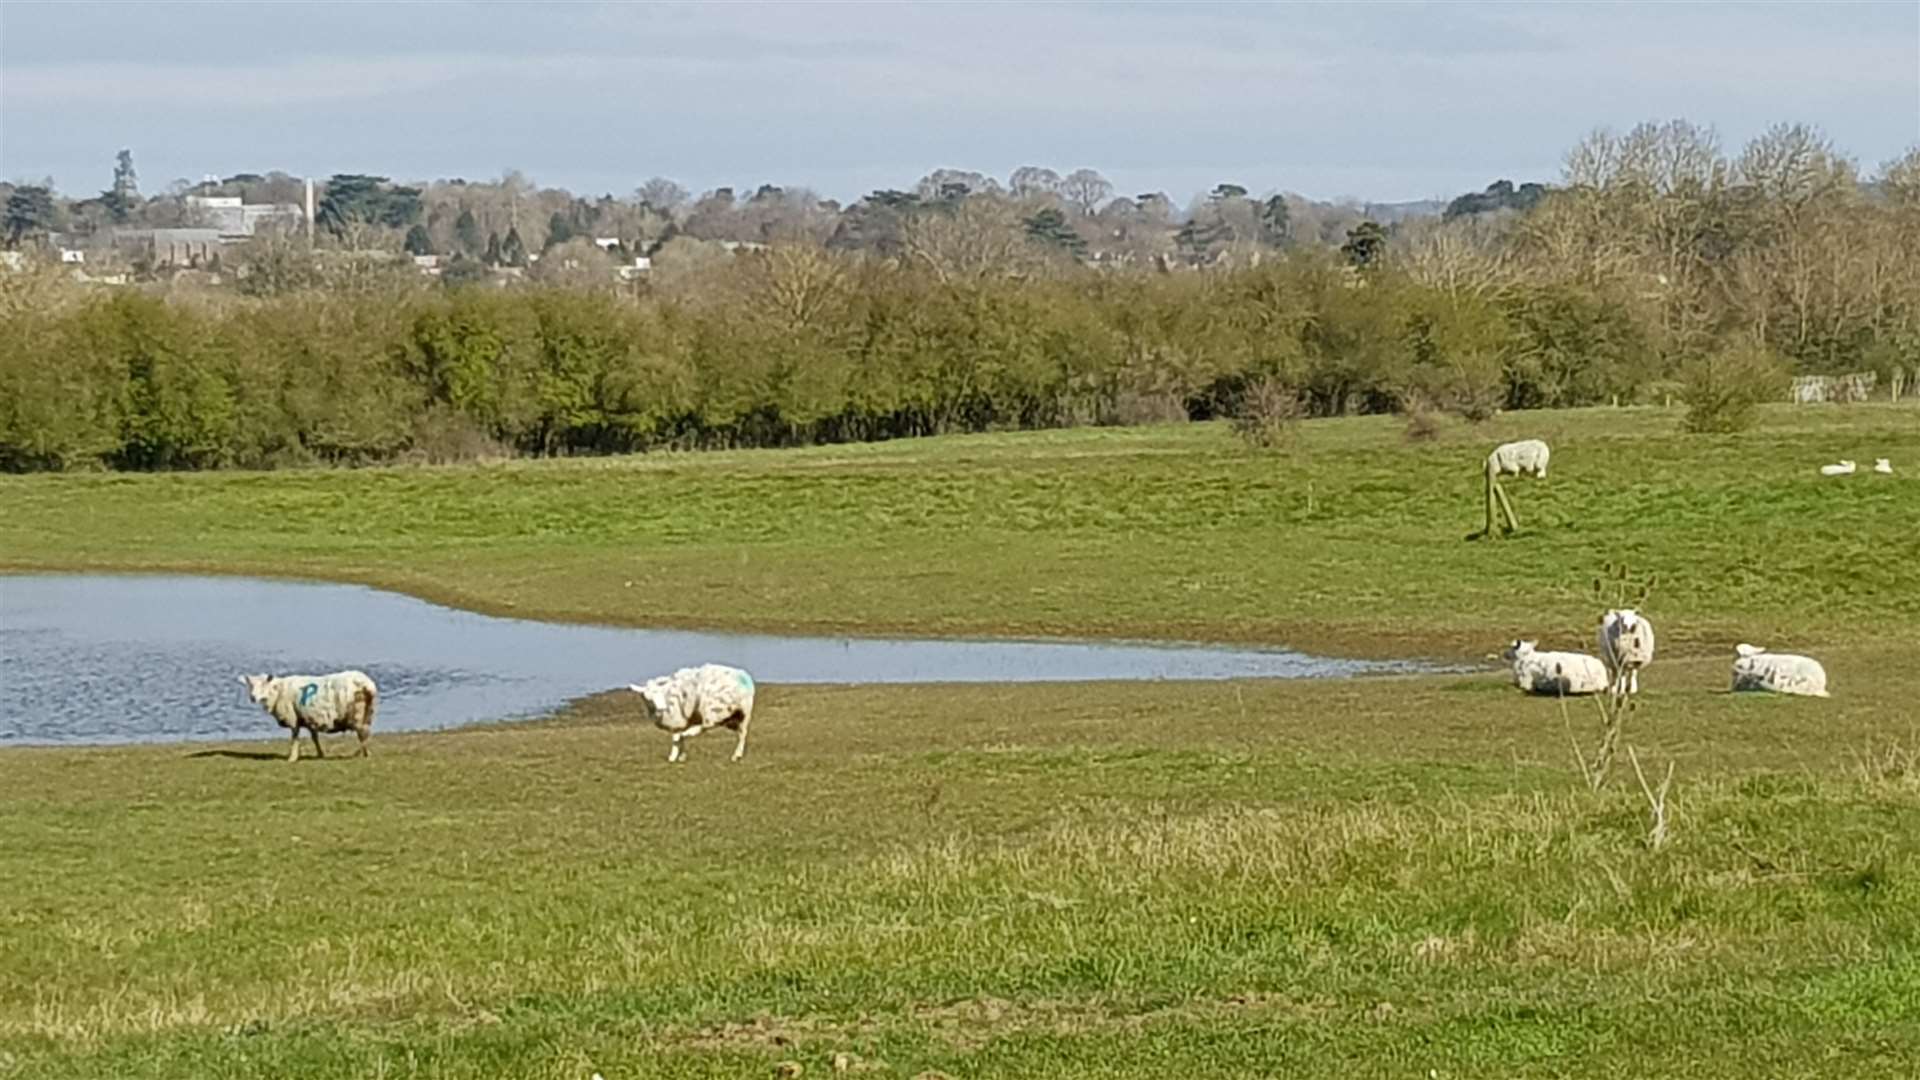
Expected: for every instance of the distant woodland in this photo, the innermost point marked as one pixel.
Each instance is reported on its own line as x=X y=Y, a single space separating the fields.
x=454 y=319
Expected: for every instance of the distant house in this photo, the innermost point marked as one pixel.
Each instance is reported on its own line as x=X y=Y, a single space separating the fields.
x=431 y=265
x=72 y=255
x=640 y=268
x=233 y=218
x=607 y=243
x=170 y=247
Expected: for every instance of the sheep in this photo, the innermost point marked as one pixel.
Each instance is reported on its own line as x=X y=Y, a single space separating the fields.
x=1626 y=645
x=342 y=701
x=1556 y=673
x=1845 y=468
x=1514 y=458
x=1754 y=668
x=691 y=700
x=1882 y=465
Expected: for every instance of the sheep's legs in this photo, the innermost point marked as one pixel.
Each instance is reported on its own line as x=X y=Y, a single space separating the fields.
x=293 y=749
x=317 y=750
x=362 y=732
x=740 y=748
x=679 y=752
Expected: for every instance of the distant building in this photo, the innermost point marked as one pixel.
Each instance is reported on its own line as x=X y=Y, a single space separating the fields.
x=640 y=268
x=232 y=218
x=170 y=247
x=72 y=255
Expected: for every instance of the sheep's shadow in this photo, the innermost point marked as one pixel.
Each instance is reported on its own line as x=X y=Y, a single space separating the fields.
x=242 y=755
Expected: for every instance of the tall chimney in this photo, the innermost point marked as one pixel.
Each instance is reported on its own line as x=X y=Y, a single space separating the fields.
x=309 y=211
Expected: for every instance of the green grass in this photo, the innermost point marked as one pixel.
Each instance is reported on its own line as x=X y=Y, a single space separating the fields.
x=1349 y=542
x=1056 y=881
x=1384 y=877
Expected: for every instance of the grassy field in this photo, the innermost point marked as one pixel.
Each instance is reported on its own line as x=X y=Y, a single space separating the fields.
x=1060 y=881
x=1349 y=542
x=1391 y=877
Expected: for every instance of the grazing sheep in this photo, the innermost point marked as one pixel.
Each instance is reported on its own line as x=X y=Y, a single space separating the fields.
x=1556 y=673
x=1626 y=644
x=1882 y=465
x=1780 y=673
x=1514 y=458
x=691 y=700
x=342 y=701
x=1845 y=468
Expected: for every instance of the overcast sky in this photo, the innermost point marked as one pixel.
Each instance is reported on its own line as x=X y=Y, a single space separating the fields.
x=1379 y=101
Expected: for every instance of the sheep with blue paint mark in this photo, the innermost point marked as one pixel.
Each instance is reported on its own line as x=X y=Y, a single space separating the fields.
x=321 y=704
x=692 y=700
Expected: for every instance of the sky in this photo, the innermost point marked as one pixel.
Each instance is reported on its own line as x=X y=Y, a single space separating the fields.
x=1375 y=101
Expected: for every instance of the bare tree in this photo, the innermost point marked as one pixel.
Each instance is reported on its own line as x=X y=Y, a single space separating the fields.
x=978 y=239
x=662 y=194
x=1086 y=189
x=794 y=286
x=1029 y=181
x=954 y=184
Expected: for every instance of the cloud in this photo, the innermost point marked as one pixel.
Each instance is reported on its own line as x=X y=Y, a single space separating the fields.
x=1384 y=99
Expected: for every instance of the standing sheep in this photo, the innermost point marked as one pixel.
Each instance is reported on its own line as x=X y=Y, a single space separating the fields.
x=1781 y=673
x=1626 y=644
x=691 y=700
x=1515 y=458
x=1555 y=673
x=343 y=701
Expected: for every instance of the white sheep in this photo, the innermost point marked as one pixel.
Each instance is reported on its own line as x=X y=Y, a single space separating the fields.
x=1626 y=645
x=342 y=701
x=1882 y=465
x=1556 y=673
x=1514 y=458
x=691 y=700
x=1845 y=468
x=1754 y=668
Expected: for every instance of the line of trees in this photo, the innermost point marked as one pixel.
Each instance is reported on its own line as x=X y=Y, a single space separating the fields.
x=1659 y=268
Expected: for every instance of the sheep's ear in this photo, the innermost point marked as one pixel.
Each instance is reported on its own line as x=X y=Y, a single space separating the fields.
x=635 y=689
x=244 y=681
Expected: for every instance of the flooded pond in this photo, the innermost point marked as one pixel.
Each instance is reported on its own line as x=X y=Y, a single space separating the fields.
x=116 y=658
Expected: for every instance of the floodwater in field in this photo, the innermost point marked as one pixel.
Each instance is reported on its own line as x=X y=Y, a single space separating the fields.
x=88 y=658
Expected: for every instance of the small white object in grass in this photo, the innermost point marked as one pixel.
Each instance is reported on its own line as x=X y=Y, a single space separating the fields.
x=1882 y=465
x=1844 y=468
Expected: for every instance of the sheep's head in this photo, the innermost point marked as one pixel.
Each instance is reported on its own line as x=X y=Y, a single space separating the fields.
x=256 y=686
x=1517 y=649
x=653 y=695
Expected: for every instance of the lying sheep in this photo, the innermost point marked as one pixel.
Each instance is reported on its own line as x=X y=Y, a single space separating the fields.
x=1780 y=673
x=1882 y=465
x=1556 y=673
x=691 y=700
x=1626 y=644
x=1844 y=468
x=342 y=701
x=1514 y=458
